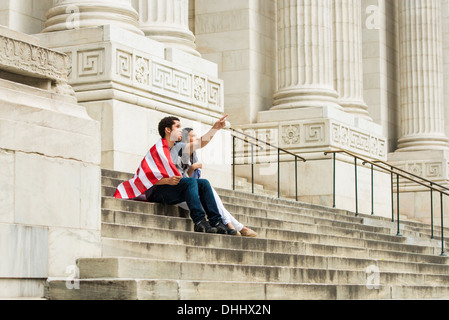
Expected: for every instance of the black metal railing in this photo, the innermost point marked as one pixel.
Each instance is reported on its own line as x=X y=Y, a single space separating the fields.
x=256 y=142
x=398 y=173
x=431 y=184
x=395 y=172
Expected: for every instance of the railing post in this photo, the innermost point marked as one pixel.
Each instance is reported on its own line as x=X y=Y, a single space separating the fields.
x=233 y=162
x=443 y=254
x=356 y=190
x=372 y=189
x=392 y=196
x=279 y=173
x=296 y=178
x=334 y=181
x=397 y=194
x=252 y=168
x=431 y=210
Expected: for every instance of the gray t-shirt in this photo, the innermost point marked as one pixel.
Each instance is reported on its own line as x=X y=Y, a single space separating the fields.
x=177 y=160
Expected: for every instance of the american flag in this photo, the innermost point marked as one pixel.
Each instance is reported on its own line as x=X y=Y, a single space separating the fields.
x=156 y=165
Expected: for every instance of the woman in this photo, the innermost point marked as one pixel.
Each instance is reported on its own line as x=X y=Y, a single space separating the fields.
x=189 y=167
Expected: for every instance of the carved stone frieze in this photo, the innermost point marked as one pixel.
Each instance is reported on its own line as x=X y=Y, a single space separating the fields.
x=28 y=59
x=144 y=71
x=320 y=135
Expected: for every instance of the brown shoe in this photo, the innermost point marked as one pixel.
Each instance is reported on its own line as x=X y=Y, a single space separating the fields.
x=247 y=232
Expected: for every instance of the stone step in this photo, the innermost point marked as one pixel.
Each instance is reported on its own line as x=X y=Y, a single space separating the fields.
x=177 y=237
x=402 y=262
x=154 y=219
x=303 y=251
x=182 y=224
x=244 y=213
x=250 y=216
x=408 y=228
x=139 y=268
x=353 y=239
x=162 y=289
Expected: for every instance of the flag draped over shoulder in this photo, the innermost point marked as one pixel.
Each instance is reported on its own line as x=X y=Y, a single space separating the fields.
x=156 y=165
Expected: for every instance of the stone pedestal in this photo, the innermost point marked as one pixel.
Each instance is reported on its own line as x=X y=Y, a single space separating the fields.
x=129 y=83
x=306 y=118
x=50 y=202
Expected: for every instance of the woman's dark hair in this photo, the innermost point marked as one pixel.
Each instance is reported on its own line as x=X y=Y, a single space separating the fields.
x=185 y=135
x=167 y=122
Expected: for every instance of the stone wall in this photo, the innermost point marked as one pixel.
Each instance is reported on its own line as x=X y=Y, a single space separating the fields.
x=50 y=169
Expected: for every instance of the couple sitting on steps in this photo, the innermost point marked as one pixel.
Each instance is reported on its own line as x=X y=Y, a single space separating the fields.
x=170 y=174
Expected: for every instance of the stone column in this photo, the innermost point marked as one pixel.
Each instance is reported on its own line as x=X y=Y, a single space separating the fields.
x=167 y=21
x=305 y=55
x=422 y=103
x=75 y=14
x=348 y=56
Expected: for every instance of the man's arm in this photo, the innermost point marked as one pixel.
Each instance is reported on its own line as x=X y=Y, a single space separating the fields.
x=205 y=139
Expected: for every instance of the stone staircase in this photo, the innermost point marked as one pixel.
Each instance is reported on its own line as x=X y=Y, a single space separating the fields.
x=302 y=252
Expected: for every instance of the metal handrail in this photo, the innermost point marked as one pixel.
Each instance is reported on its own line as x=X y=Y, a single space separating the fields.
x=267 y=144
x=412 y=174
x=257 y=143
x=394 y=171
x=398 y=175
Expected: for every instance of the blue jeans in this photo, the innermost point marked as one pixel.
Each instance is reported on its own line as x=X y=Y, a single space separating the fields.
x=196 y=192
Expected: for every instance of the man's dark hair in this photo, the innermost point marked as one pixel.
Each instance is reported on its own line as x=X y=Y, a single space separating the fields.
x=167 y=122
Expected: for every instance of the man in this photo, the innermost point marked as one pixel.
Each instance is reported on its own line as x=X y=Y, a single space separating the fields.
x=159 y=180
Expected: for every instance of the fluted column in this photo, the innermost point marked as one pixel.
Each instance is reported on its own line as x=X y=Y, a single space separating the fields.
x=75 y=14
x=167 y=21
x=348 y=56
x=422 y=105
x=305 y=54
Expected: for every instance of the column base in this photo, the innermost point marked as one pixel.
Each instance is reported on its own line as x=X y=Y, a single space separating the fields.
x=304 y=98
x=356 y=108
x=68 y=16
x=175 y=38
x=423 y=143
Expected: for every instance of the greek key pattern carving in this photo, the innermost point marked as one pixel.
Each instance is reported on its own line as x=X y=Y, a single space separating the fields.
x=90 y=63
x=124 y=64
x=425 y=169
x=357 y=141
x=159 y=76
x=28 y=59
x=171 y=80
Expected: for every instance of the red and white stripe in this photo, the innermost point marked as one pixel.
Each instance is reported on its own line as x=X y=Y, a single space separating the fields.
x=156 y=165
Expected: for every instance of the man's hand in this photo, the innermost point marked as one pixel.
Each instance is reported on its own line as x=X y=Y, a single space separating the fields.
x=173 y=181
x=204 y=141
x=220 y=124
